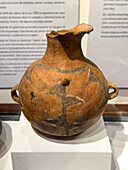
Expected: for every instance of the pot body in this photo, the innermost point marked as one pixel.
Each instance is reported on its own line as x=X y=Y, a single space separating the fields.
x=63 y=93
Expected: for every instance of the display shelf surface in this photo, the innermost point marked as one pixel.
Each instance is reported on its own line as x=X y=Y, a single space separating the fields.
x=118 y=134
x=91 y=149
x=93 y=140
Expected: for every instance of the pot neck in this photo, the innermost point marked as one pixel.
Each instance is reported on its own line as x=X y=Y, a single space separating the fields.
x=64 y=47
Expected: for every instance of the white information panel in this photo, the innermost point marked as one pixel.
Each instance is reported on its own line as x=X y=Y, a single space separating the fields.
x=23 y=25
x=108 y=44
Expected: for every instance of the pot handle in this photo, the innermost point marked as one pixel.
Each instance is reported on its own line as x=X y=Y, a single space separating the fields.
x=14 y=93
x=114 y=93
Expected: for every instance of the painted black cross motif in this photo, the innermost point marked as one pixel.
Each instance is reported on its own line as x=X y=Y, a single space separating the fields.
x=60 y=91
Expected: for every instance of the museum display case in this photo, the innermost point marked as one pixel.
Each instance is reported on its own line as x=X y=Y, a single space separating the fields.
x=0 y=127
x=102 y=133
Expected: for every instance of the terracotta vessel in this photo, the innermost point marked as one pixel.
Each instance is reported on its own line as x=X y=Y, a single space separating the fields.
x=0 y=127
x=63 y=93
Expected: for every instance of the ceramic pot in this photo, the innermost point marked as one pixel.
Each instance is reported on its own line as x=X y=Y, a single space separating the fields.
x=63 y=93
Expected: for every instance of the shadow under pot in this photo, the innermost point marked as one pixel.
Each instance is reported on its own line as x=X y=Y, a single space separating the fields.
x=63 y=93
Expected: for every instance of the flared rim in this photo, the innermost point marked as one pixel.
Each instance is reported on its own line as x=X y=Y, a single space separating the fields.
x=81 y=28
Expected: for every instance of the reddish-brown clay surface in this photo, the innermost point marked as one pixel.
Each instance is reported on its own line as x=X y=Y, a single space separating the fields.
x=63 y=93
